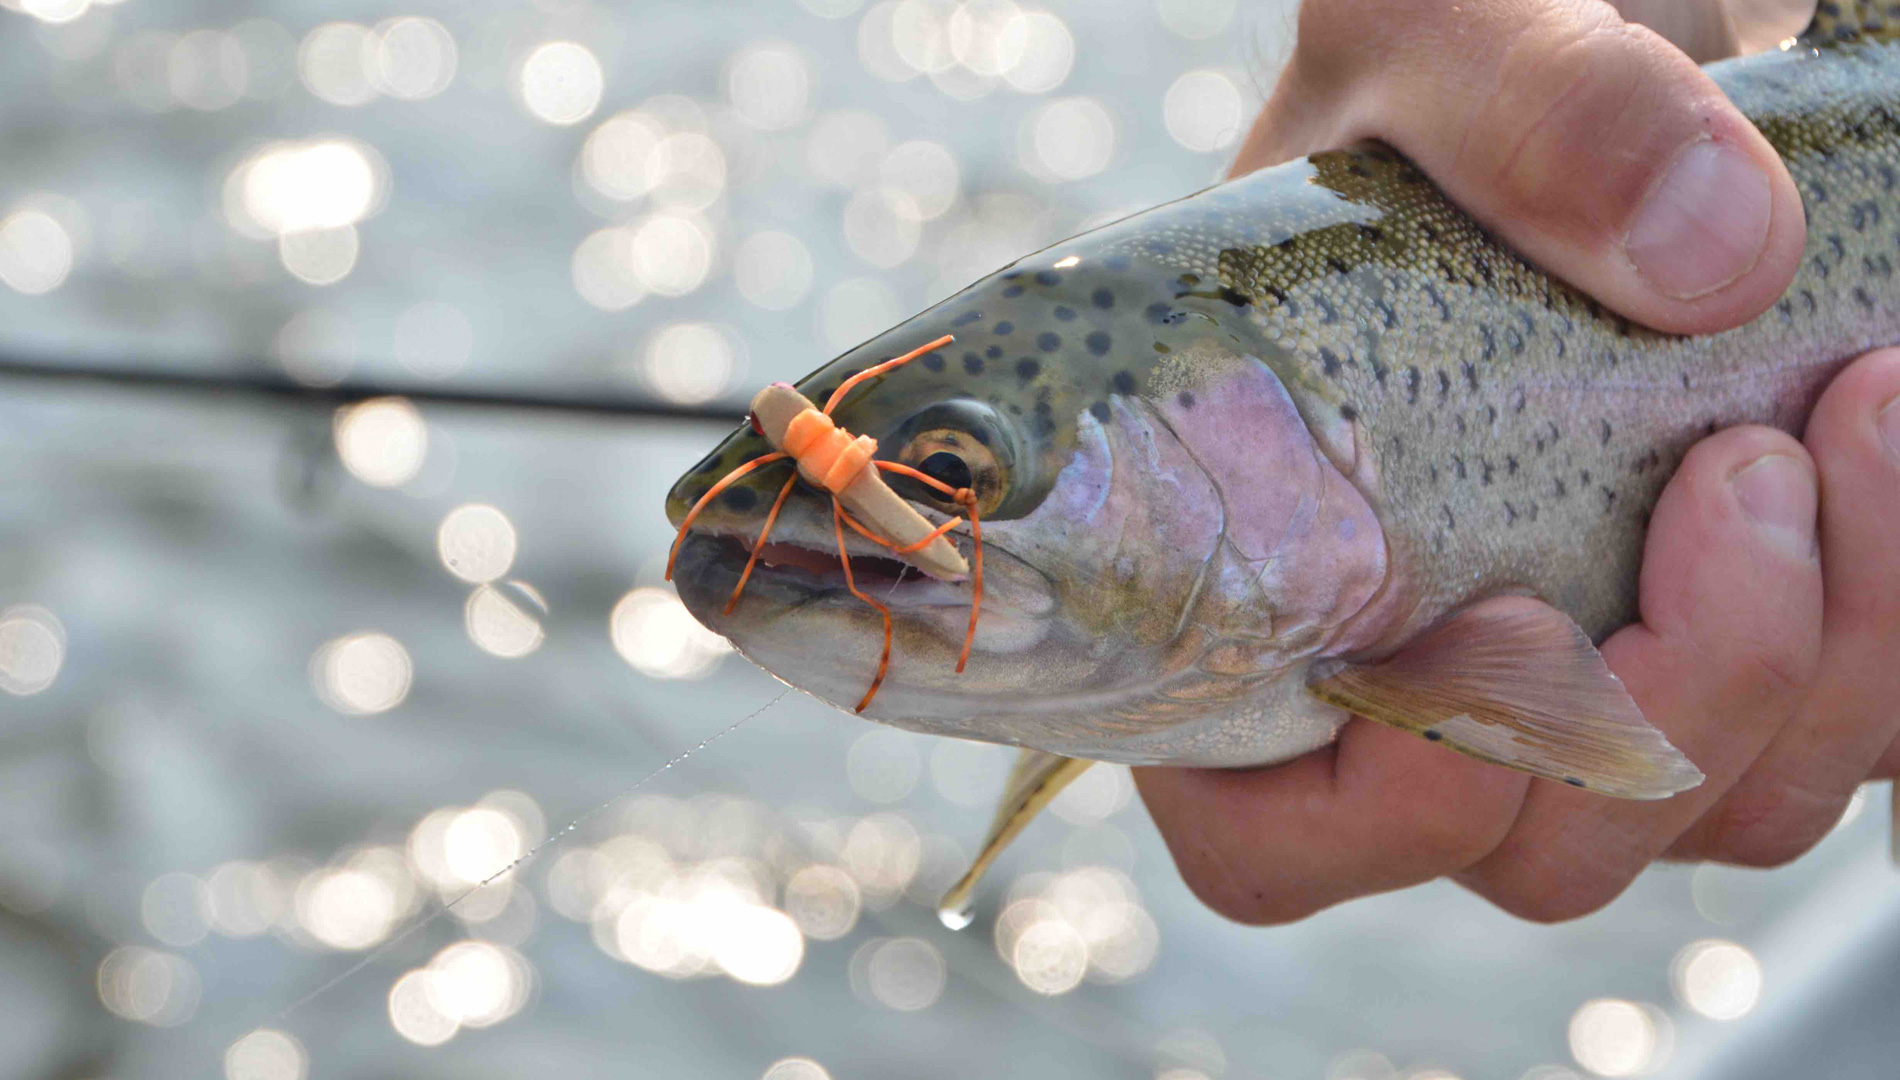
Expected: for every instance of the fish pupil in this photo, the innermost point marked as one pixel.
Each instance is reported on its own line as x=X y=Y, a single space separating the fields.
x=946 y=468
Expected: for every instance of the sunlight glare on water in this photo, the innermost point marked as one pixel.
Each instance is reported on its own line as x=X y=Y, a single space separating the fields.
x=175 y=909
x=693 y=362
x=1067 y=139
x=346 y=909
x=32 y=649
x=149 y=986
x=772 y=269
x=266 y=1054
x=476 y=542
x=1195 y=19
x=823 y=900
x=414 y=1013
x=382 y=441
x=560 y=82
x=36 y=252
x=906 y=974
x=655 y=633
x=1204 y=110
x=363 y=673
x=617 y=158
x=411 y=58
x=796 y=1068
x=1614 y=1038
x=244 y=899
x=291 y=187
x=500 y=626
x=333 y=63
x=769 y=86
x=1719 y=979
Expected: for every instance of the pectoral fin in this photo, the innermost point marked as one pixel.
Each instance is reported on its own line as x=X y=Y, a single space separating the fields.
x=1034 y=782
x=1515 y=682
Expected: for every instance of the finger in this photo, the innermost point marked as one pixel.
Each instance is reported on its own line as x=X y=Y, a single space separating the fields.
x=1795 y=793
x=1378 y=810
x=1684 y=219
x=1731 y=607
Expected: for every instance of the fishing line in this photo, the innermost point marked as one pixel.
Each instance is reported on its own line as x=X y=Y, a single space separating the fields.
x=416 y=927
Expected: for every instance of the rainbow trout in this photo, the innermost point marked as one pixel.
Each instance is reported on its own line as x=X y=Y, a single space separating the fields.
x=1306 y=445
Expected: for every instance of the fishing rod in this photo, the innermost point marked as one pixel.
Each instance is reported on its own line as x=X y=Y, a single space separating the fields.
x=265 y=383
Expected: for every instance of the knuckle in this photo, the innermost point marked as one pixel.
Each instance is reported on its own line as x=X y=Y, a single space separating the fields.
x=1772 y=826
x=1549 y=902
x=1246 y=899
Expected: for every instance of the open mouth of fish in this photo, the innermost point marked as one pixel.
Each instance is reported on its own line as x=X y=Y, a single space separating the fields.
x=796 y=568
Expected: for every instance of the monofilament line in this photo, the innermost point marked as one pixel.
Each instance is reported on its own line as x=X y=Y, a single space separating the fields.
x=416 y=927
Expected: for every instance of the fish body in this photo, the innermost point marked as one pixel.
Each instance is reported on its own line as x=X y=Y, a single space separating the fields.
x=1295 y=447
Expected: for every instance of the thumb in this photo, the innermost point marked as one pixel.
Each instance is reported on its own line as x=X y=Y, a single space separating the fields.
x=1591 y=145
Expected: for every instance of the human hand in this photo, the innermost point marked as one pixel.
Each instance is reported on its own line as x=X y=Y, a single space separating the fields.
x=1775 y=678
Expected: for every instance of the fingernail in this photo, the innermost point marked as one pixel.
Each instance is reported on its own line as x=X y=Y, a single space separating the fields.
x=1777 y=491
x=1704 y=224
x=1889 y=424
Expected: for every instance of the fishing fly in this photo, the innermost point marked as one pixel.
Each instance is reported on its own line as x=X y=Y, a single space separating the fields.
x=831 y=458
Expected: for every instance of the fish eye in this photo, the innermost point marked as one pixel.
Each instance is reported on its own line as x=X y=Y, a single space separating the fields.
x=955 y=459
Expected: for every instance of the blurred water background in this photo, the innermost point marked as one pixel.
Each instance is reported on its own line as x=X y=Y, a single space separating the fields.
x=279 y=677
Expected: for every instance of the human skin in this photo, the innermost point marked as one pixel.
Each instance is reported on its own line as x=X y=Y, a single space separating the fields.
x=1770 y=592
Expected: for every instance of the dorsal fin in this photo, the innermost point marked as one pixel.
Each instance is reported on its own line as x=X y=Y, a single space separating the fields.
x=1847 y=20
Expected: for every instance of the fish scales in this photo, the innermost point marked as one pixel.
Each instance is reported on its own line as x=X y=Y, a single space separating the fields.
x=1213 y=441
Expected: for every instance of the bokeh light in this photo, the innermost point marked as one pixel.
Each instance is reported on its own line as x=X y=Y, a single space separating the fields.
x=332 y=63
x=1719 y=979
x=55 y=12
x=692 y=362
x=478 y=984
x=208 y=70
x=244 y=899
x=414 y=1013
x=769 y=86
x=905 y=974
x=1067 y=139
x=361 y=674
x=670 y=254
x=315 y=347
x=346 y=908
x=1093 y=797
x=411 y=58
x=36 y=252
x=149 y=986
x=32 y=649
x=796 y=1068
x=602 y=269
x=617 y=158
x=382 y=441
x=924 y=171
x=320 y=256
x=561 y=82
x=824 y=901
x=500 y=626
x=1361 y=1065
x=1612 y=1037
x=883 y=764
x=476 y=542
x=655 y=633
x=266 y=1054
x=293 y=187
x=1047 y=54
x=175 y=909
x=1204 y=110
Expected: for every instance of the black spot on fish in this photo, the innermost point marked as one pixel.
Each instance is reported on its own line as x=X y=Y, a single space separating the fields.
x=1603 y=433
x=1517 y=400
x=1433 y=735
x=1157 y=312
x=1102 y=298
x=1065 y=314
x=933 y=361
x=1510 y=464
x=1028 y=368
x=740 y=498
x=1329 y=362
x=1337 y=266
x=1861 y=296
x=1444 y=309
x=1327 y=312
x=1371 y=233
x=1012 y=292
x=1234 y=296
x=967 y=318
x=1379 y=371
x=1048 y=341
x=1490 y=342
x=1484 y=269
x=1189 y=280
x=994 y=352
x=1123 y=382
x=1584 y=476
x=1098 y=343
x=972 y=363
x=1609 y=497
x=1186 y=398
x=1471 y=377
x=1099 y=410
x=1386 y=311
x=1510 y=513
x=1411 y=386
x=1560 y=488
x=1514 y=339
x=1004 y=327
x=1047 y=277
x=1444 y=385
x=1451 y=522
x=1491 y=414
x=1458 y=466
x=1348 y=413
x=1485 y=471
x=1574 y=782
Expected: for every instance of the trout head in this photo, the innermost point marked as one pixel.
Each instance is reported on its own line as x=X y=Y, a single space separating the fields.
x=1165 y=543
